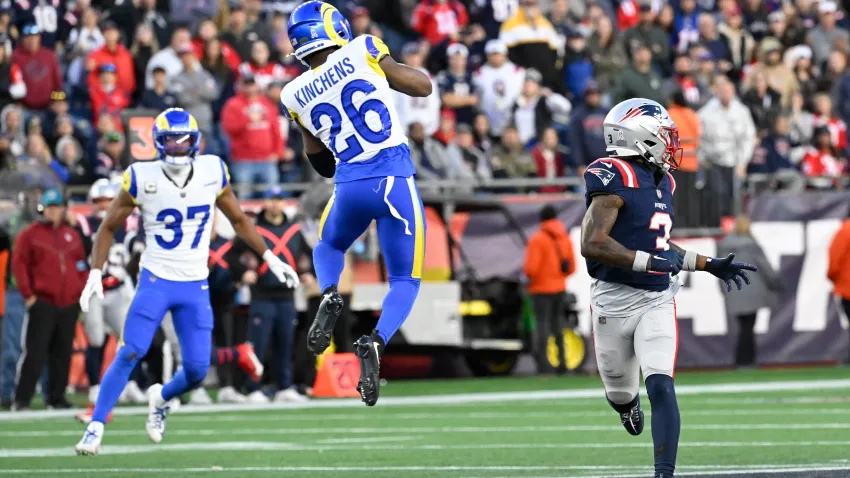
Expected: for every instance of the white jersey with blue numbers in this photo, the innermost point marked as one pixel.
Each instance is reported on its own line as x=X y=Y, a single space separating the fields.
x=177 y=221
x=348 y=105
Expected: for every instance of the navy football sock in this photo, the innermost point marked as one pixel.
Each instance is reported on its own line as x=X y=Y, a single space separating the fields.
x=665 y=421
x=224 y=355
x=397 y=305
x=114 y=381
x=94 y=364
x=624 y=407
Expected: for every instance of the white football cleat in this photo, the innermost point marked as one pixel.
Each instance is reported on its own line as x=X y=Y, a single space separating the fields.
x=157 y=413
x=89 y=445
x=257 y=397
x=199 y=396
x=134 y=394
x=290 y=395
x=93 y=391
x=230 y=395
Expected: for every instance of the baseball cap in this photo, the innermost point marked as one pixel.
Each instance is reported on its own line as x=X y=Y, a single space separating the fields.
x=248 y=79
x=592 y=86
x=411 y=48
x=107 y=67
x=359 y=12
x=52 y=197
x=274 y=192
x=457 y=49
x=183 y=48
x=30 y=29
x=112 y=137
x=827 y=6
x=109 y=25
x=533 y=75
x=158 y=69
x=58 y=95
x=495 y=46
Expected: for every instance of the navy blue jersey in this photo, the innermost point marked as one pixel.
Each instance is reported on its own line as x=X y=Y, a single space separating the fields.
x=643 y=223
x=120 y=252
x=461 y=85
x=49 y=15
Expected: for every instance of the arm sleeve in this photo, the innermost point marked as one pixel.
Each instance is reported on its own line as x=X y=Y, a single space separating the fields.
x=225 y=176
x=21 y=257
x=129 y=183
x=376 y=50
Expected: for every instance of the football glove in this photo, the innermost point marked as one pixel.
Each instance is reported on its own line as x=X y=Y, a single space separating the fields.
x=94 y=287
x=659 y=263
x=727 y=270
x=674 y=256
x=283 y=271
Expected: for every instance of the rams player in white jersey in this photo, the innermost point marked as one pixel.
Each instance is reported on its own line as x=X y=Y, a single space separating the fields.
x=177 y=196
x=344 y=107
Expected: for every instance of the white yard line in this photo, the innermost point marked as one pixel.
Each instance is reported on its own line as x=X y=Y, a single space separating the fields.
x=456 y=399
x=295 y=447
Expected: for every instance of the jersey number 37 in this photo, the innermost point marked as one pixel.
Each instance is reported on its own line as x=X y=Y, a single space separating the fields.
x=176 y=225
x=357 y=117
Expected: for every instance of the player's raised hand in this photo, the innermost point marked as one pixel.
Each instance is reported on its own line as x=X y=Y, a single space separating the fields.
x=727 y=270
x=658 y=263
x=283 y=271
x=94 y=287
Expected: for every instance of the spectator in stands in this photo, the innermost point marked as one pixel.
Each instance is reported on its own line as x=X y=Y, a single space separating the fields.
x=457 y=91
x=168 y=58
x=250 y=121
x=273 y=314
x=774 y=156
x=533 y=43
x=194 y=88
x=208 y=32
x=638 y=80
x=107 y=98
x=109 y=156
x=40 y=67
x=578 y=69
x=687 y=201
x=240 y=34
x=427 y=154
x=259 y=66
x=763 y=102
x=129 y=14
x=361 y=23
x=587 y=143
x=511 y=159
x=839 y=267
x=823 y=117
x=778 y=28
x=802 y=121
x=685 y=30
x=823 y=162
x=466 y=161
x=713 y=43
x=738 y=40
x=648 y=34
x=12 y=128
x=535 y=107
x=438 y=19
x=496 y=84
x=779 y=75
x=142 y=49
x=763 y=291
x=38 y=153
x=683 y=80
x=727 y=143
x=825 y=35
x=481 y=131
x=425 y=111
x=549 y=261
x=50 y=275
x=12 y=85
x=83 y=40
x=73 y=161
x=112 y=53
x=800 y=60
x=549 y=159
x=606 y=52
x=158 y=98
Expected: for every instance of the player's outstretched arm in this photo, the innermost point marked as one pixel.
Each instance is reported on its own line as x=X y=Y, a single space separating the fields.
x=405 y=79
x=598 y=245
x=245 y=230
x=724 y=269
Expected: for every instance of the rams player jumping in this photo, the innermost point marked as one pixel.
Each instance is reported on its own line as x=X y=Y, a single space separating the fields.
x=176 y=195
x=345 y=110
x=625 y=237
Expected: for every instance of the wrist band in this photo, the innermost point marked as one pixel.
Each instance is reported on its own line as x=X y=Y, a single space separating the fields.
x=690 y=261
x=641 y=261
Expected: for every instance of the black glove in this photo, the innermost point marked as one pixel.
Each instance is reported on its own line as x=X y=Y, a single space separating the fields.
x=728 y=271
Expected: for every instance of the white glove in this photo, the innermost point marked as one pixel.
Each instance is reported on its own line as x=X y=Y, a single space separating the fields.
x=94 y=286
x=283 y=271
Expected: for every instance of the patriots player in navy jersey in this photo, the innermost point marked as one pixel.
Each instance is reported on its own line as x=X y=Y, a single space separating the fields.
x=625 y=239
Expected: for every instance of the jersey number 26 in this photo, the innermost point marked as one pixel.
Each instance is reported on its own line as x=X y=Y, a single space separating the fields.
x=357 y=118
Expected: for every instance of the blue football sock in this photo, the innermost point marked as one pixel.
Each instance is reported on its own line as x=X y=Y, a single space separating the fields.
x=188 y=377
x=328 y=262
x=114 y=381
x=397 y=305
x=665 y=421
x=94 y=364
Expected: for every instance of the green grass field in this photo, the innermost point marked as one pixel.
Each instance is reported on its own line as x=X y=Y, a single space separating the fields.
x=763 y=423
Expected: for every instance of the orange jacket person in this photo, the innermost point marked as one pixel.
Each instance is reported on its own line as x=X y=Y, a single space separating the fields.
x=839 y=265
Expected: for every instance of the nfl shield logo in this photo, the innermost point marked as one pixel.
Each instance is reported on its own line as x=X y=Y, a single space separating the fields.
x=658 y=191
x=603 y=321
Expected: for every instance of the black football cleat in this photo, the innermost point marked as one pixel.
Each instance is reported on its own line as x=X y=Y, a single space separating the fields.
x=369 y=349
x=633 y=420
x=663 y=475
x=319 y=335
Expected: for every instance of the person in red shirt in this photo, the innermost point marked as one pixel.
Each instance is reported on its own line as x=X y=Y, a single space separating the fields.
x=113 y=52
x=437 y=19
x=823 y=161
x=208 y=31
x=824 y=117
x=550 y=161
x=107 y=98
x=251 y=122
x=40 y=68
x=260 y=68
x=49 y=265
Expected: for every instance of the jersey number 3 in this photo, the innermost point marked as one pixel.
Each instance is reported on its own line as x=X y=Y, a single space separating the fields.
x=357 y=118
x=659 y=221
x=176 y=225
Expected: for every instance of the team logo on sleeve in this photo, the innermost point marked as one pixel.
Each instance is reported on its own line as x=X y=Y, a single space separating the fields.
x=603 y=174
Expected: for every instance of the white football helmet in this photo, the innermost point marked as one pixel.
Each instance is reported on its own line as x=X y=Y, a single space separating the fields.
x=642 y=127
x=103 y=189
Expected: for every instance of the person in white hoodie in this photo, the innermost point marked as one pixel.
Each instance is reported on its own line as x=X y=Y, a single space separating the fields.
x=425 y=111
x=499 y=82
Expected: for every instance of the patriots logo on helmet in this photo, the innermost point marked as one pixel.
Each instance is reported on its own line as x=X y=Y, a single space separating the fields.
x=603 y=174
x=644 y=110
